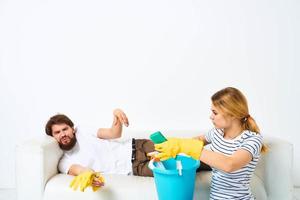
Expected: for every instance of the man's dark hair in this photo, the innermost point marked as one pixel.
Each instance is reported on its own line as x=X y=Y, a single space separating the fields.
x=57 y=119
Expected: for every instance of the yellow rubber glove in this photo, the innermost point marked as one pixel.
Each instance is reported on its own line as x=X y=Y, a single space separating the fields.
x=86 y=179
x=98 y=178
x=83 y=180
x=174 y=146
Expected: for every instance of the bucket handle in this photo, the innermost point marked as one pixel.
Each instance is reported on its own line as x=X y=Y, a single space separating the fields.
x=159 y=165
x=179 y=167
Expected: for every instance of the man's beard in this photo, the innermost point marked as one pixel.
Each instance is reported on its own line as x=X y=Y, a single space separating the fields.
x=70 y=145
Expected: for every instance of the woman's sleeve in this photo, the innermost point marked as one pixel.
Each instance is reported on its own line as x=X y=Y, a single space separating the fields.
x=253 y=144
x=209 y=135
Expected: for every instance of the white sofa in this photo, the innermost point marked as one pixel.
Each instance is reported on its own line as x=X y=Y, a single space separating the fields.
x=38 y=178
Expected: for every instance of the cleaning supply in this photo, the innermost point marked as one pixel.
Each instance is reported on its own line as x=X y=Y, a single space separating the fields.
x=177 y=179
x=99 y=178
x=85 y=179
x=174 y=146
x=157 y=137
x=157 y=160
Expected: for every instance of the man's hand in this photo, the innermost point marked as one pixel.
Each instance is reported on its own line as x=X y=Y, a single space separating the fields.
x=87 y=178
x=83 y=180
x=120 y=116
x=174 y=146
x=98 y=181
x=115 y=131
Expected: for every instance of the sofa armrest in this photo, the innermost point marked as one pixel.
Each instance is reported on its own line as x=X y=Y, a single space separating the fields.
x=36 y=162
x=275 y=169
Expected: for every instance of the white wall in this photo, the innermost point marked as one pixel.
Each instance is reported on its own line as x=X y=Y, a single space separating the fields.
x=159 y=60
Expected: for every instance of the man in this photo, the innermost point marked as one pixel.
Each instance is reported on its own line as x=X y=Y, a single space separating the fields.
x=88 y=153
x=84 y=152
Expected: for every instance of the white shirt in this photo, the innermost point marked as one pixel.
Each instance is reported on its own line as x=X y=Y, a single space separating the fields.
x=105 y=156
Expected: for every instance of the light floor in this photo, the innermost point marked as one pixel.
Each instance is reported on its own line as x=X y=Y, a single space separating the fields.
x=297 y=193
x=9 y=194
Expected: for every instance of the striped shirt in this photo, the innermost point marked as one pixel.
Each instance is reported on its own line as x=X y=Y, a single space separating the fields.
x=233 y=185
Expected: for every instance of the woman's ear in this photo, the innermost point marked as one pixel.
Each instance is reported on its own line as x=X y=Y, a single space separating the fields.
x=230 y=117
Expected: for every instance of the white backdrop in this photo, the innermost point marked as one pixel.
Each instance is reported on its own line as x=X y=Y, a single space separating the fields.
x=159 y=60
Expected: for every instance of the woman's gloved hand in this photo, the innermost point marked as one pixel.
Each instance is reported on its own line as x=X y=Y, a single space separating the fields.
x=174 y=146
x=87 y=178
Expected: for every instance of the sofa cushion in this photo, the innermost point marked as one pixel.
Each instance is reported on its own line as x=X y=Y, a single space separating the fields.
x=116 y=187
x=131 y=187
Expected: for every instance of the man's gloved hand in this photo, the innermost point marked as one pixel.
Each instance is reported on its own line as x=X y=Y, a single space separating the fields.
x=174 y=146
x=83 y=180
x=87 y=178
x=98 y=181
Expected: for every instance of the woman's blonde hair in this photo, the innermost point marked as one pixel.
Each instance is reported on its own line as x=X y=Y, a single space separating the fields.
x=232 y=102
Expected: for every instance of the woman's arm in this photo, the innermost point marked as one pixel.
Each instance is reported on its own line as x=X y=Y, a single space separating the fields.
x=115 y=131
x=201 y=137
x=226 y=163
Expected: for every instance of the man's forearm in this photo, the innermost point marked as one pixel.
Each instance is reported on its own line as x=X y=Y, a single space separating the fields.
x=111 y=133
x=77 y=169
x=116 y=128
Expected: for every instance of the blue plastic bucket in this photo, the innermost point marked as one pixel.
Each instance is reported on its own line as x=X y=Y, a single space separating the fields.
x=172 y=183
